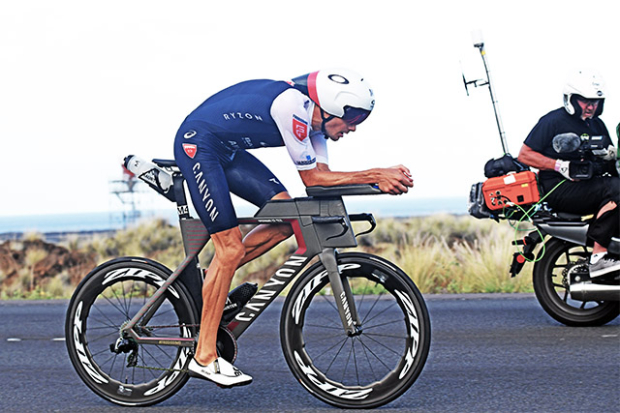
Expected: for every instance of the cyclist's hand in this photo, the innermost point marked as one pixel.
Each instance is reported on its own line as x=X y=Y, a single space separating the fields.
x=395 y=180
x=563 y=167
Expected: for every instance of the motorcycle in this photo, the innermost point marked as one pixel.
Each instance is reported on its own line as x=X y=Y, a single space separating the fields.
x=561 y=279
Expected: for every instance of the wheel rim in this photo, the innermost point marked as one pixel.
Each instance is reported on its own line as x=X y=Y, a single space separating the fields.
x=156 y=370
x=557 y=282
x=373 y=366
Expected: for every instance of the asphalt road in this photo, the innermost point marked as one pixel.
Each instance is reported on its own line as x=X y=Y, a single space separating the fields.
x=489 y=353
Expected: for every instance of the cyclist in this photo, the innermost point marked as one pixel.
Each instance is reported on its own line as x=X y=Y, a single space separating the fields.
x=584 y=97
x=211 y=151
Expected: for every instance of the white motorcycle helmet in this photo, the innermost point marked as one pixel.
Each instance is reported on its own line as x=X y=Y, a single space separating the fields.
x=340 y=93
x=585 y=83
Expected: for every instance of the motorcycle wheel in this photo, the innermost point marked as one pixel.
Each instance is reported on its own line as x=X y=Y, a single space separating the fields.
x=551 y=285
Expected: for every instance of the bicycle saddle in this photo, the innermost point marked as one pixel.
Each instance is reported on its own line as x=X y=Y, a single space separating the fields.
x=165 y=163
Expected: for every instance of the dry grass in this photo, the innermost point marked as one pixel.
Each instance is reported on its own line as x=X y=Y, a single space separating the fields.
x=451 y=254
x=441 y=253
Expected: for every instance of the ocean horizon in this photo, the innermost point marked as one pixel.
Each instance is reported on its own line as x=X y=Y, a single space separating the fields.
x=15 y=226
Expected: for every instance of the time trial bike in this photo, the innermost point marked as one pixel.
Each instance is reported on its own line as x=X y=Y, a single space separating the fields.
x=355 y=330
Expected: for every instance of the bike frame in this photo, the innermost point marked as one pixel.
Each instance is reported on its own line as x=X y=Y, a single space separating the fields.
x=320 y=224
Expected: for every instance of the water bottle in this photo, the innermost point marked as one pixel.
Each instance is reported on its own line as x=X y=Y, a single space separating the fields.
x=236 y=299
x=150 y=173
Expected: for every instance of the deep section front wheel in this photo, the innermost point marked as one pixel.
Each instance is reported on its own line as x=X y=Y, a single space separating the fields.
x=116 y=367
x=551 y=285
x=386 y=355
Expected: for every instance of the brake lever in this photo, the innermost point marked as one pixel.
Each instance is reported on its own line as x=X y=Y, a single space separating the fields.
x=364 y=217
x=332 y=220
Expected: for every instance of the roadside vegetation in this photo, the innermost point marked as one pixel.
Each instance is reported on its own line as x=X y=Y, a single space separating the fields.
x=441 y=253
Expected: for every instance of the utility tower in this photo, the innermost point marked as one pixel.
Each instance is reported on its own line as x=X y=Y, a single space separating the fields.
x=126 y=191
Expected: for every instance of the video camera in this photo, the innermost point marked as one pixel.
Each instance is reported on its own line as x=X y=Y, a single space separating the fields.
x=589 y=149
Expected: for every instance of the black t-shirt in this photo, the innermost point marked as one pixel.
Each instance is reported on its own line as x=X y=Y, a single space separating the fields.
x=557 y=122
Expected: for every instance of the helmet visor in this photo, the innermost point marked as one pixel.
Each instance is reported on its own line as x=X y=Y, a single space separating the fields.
x=355 y=116
x=587 y=101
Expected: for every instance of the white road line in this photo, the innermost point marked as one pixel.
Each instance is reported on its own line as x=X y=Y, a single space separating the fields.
x=17 y=339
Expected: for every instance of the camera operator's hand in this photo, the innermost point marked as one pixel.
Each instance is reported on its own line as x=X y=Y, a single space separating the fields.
x=563 y=167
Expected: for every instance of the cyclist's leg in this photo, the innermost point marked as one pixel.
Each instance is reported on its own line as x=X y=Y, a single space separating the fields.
x=264 y=237
x=204 y=173
x=251 y=180
x=229 y=251
x=206 y=364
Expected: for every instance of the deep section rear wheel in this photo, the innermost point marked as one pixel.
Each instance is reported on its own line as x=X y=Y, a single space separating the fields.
x=372 y=367
x=123 y=371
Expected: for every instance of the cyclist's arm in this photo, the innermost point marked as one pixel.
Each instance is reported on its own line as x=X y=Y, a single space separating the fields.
x=319 y=144
x=291 y=115
x=535 y=159
x=395 y=180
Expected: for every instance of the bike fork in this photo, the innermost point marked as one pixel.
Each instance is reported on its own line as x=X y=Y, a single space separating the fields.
x=342 y=293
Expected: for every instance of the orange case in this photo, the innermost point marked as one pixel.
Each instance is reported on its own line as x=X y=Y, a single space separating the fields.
x=519 y=188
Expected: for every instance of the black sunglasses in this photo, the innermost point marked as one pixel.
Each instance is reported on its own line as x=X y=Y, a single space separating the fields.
x=355 y=116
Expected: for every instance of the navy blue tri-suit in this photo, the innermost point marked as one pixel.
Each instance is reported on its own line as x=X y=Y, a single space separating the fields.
x=211 y=146
x=579 y=197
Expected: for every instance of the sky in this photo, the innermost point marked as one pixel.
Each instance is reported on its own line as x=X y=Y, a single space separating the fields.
x=85 y=83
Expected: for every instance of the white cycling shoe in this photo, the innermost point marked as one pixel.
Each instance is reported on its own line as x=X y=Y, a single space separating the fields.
x=219 y=372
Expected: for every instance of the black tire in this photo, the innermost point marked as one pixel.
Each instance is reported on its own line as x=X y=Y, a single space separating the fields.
x=374 y=367
x=109 y=296
x=551 y=285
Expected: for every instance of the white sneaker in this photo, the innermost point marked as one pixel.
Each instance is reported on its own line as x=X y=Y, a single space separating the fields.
x=604 y=266
x=219 y=372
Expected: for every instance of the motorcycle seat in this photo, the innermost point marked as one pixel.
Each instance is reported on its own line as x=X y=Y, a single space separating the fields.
x=572 y=217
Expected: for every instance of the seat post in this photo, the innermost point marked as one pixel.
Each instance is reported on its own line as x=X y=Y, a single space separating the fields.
x=179 y=196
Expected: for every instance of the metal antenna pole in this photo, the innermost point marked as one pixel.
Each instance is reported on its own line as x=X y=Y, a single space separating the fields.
x=502 y=134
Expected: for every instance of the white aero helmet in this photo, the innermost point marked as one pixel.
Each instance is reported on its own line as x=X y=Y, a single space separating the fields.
x=341 y=93
x=586 y=84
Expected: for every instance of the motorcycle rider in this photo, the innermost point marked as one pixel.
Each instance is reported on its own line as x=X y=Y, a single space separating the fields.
x=584 y=97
